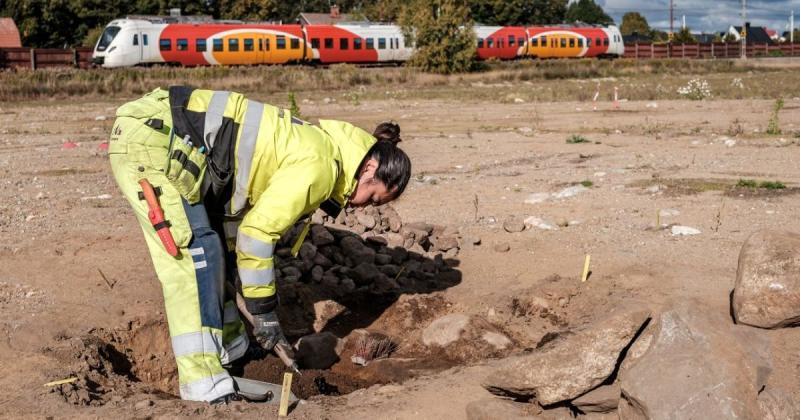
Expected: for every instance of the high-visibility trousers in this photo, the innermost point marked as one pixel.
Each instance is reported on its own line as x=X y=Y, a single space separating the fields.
x=205 y=329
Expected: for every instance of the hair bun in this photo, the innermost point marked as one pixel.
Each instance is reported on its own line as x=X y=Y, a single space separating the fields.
x=388 y=131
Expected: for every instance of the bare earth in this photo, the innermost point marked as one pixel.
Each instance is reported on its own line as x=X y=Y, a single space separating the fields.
x=475 y=164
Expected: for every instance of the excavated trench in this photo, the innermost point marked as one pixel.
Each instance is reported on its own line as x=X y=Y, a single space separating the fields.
x=364 y=272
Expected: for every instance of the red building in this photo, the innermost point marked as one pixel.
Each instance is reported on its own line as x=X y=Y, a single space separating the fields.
x=9 y=34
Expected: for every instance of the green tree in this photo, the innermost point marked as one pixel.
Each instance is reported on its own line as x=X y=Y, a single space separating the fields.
x=729 y=37
x=383 y=10
x=443 y=35
x=587 y=11
x=684 y=36
x=634 y=22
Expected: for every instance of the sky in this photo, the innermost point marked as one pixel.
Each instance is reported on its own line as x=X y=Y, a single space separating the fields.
x=708 y=15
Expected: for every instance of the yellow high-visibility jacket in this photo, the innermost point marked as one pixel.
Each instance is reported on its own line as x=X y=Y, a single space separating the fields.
x=270 y=168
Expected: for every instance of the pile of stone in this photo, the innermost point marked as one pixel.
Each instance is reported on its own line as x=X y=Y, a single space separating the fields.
x=368 y=250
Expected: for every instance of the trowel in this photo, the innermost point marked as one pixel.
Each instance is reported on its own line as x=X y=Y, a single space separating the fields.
x=258 y=391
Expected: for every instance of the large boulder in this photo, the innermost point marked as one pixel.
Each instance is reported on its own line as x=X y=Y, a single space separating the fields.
x=493 y=408
x=694 y=363
x=569 y=367
x=777 y=404
x=767 y=292
x=601 y=400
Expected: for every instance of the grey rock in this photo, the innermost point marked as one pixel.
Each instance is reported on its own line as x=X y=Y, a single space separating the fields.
x=495 y=409
x=445 y=243
x=316 y=273
x=399 y=255
x=320 y=236
x=324 y=311
x=383 y=259
x=692 y=362
x=307 y=251
x=395 y=224
x=365 y=273
x=318 y=351
x=603 y=399
x=321 y=260
x=292 y=272
x=445 y=330
x=767 y=291
x=569 y=367
x=390 y=270
x=394 y=239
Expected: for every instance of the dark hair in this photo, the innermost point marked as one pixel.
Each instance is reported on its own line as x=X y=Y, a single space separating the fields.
x=394 y=166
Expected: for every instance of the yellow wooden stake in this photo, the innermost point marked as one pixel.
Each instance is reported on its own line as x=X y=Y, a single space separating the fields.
x=658 y=219
x=283 y=411
x=585 y=274
x=61 y=382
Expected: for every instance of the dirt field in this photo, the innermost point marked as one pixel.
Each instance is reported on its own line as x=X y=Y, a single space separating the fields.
x=74 y=267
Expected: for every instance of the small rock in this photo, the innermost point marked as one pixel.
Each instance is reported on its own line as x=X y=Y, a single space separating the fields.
x=320 y=236
x=525 y=130
x=537 y=198
x=445 y=330
x=519 y=101
x=599 y=400
x=679 y=230
x=496 y=340
x=316 y=273
x=655 y=188
x=502 y=247
x=324 y=311
x=365 y=273
x=570 y=191
x=318 y=351
x=143 y=404
x=513 y=225
x=383 y=259
x=100 y=118
x=767 y=291
x=730 y=142
x=30 y=217
x=365 y=220
x=668 y=212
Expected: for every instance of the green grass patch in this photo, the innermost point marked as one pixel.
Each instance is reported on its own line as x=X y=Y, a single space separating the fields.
x=767 y=185
x=747 y=183
x=577 y=139
x=586 y=183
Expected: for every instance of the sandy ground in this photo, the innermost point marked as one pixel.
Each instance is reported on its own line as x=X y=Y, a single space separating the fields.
x=475 y=164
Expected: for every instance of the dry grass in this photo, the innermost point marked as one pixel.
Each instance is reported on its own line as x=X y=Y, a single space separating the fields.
x=528 y=81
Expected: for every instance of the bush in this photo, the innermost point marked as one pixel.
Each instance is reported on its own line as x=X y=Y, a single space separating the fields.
x=576 y=139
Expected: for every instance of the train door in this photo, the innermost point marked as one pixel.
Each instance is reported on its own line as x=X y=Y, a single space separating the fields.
x=266 y=51
x=140 y=47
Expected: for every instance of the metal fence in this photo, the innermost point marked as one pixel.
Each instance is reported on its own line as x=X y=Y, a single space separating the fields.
x=711 y=50
x=36 y=58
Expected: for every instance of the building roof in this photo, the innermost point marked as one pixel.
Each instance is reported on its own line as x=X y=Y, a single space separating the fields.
x=9 y=34
x=328 y=18
x=755 y=34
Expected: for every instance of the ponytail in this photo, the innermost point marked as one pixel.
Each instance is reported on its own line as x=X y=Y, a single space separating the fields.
x=394 y=166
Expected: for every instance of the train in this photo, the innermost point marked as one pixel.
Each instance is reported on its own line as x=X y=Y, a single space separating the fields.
x=142 y=41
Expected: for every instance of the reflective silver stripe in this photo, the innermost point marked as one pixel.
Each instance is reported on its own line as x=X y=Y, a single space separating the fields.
x=214 y=114
x=200 y=264
x=208 y=388
x=250 y=277
x=244 y=154
x=230 y=314
x=253 y=247
x=235 y=349
x=196 y=251
x=196 y=342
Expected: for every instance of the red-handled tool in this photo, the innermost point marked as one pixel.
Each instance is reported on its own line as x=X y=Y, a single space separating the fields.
x=156 y=216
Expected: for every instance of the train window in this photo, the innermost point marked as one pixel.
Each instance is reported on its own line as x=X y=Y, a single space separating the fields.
x=260 y=44
x=344 y=43
x=280 y=42
x=294 y=43
x=480 y=42
x=233 y=44
x=588 y=42
x=489 y=42
x=266 y=44
x=328 y=42
x=572 y=42
x=544 y=40
x=381 y=43
x=397 y=43
x=357 y=43
x=248 y=44
x=182 y=44
x=144 y=39
x=563 y=42
x=164 y=44
x=135 y=39
x=580 y=42
x=605 y=41
x=534 y=42
x=217 y=44
x=370 y=44
x=315 y=43
x=200 y=44
x=520 y=41
x=598 y=42
x=511 y=40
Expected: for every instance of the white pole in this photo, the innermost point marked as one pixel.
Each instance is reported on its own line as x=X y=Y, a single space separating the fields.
x=791 y=28
x=744 y=29
x=684 y=22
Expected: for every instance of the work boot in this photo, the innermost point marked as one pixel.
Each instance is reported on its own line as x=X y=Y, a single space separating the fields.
x=226 y=399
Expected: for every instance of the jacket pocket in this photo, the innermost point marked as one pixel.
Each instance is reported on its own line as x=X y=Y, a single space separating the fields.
x=186 y=168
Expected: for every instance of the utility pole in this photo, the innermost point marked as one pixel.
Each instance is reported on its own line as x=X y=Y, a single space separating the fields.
x=671 y=18
x=684 y=22
x=791 y=28
x=744 y=29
